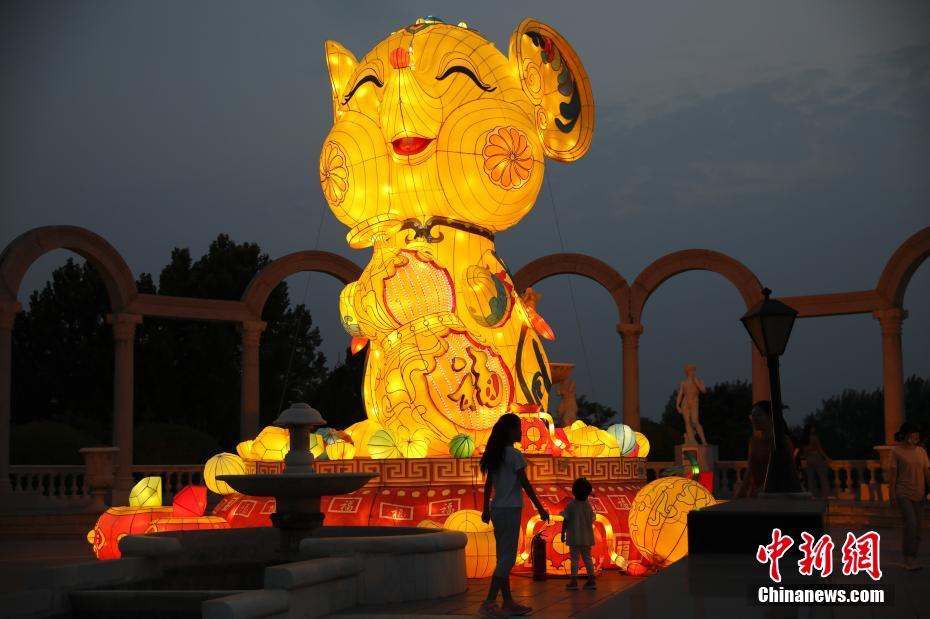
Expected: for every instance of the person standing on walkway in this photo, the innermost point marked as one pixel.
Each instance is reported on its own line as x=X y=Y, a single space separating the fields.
x=816 y=461
x=910 y=471
x=578 y=532
x=505 y=471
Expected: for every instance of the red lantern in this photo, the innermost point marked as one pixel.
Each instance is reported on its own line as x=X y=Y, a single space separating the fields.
x=118 y=522
x=187 y=524
x=191 y=501
x=635 y=568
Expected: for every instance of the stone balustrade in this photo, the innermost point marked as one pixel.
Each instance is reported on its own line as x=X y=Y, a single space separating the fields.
x=852 y=480
x=63 y=486
x=46 y=486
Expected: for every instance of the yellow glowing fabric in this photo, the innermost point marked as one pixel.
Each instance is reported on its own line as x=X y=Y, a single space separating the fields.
x=643 y=443
x=439 y=141
x=146 y=493
x=222 y=464
x=361 y=432
x=481 y=549
x=658 y=517
x=273 y=443
x=244 y=449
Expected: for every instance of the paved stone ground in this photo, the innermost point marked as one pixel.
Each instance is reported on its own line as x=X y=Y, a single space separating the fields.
x=682 y=591
x=21 y=560
x=719 y=588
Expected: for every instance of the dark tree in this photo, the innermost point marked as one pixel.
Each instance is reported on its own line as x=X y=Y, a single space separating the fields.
x=187 y=373
x=593 y=413
x=339 y=396
x=63 y=353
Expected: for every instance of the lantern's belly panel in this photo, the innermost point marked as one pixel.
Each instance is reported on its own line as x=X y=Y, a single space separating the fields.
x=451 y=345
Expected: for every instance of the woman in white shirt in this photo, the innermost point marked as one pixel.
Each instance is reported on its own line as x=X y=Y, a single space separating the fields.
x=909 y=475
x=506 y=479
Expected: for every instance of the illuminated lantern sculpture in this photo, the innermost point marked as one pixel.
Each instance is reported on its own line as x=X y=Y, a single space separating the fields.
x=439 y=141
x=146 y=493
x=462 y=446
x=658 y=518
x=481 y=549
x=643 y=444
x=625 y=437
x=222 y=464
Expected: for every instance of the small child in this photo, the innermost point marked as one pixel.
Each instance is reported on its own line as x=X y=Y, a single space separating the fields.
x=578 y=532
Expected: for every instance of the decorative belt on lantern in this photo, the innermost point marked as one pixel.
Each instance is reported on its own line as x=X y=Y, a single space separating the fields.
x=425 y=230
x=425 y=323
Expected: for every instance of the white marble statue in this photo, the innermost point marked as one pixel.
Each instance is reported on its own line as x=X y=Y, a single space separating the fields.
x=686 y=404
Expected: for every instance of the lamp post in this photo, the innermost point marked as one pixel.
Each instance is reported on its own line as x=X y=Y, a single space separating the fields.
x=769 y=325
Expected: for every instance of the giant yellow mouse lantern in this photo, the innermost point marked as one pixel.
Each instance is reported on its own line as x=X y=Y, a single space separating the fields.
x=439 y=141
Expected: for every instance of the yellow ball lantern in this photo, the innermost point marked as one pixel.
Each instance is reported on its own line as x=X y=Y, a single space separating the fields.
x=146 y=493
x=481 y=549
x=643 y=443
x=658 y=518
x=222 y=464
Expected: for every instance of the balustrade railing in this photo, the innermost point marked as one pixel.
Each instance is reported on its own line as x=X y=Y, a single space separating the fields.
x=63 y=486
x=852 y=480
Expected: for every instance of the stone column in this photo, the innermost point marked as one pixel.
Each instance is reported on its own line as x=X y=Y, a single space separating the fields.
x=760 y=376
x=629 y=333
x=251 y=333
x=892 y=371
x=8 y=313
x=124 y=333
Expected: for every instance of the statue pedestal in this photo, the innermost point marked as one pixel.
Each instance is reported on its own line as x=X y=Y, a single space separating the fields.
x=706 y=456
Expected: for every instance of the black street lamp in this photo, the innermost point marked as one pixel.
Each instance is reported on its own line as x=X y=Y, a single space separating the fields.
x=769 y=324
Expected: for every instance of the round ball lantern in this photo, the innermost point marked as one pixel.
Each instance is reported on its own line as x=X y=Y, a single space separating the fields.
x=222 y=464
x=658 y=518
x=625 y=437
x=481 y=550
x=462 y=446
x=381 y=445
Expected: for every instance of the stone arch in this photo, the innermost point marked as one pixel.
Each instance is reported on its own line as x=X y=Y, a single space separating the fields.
x=28 y=247
x=901 y=267
x=577 y=264
x=265 y=280
x=666 y=267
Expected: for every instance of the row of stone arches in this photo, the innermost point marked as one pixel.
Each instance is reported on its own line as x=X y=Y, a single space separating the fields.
x=129 y=307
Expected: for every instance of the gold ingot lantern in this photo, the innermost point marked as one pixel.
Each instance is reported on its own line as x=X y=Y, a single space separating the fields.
x=439 y=141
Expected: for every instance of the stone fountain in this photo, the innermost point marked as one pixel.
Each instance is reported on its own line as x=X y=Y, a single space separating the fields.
x=298 y=489
x=299 y=568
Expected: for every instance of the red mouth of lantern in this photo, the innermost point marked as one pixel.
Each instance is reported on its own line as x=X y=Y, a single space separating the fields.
x=410 y=146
